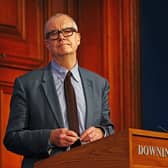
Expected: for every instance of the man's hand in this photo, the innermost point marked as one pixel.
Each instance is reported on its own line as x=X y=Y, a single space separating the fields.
x=63 y=137
x=91 y=134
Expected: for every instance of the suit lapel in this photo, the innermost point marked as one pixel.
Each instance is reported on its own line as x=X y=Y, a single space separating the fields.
x=88 y=91
x=51 y=95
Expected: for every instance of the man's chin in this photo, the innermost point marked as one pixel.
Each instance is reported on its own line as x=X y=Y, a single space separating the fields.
x=65 y=53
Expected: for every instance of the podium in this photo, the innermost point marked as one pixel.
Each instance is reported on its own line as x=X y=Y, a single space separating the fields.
x=134 y=148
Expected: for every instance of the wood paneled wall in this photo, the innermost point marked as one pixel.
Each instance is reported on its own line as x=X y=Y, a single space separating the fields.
x=121 y=55
x=109 y=46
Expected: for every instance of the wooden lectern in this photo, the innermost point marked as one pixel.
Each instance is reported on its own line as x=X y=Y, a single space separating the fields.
x=131 y=149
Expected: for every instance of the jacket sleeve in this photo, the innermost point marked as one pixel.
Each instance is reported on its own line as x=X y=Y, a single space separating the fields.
x=106 y=125
x=19 y=137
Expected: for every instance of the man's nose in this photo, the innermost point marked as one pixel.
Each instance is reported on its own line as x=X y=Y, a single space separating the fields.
x=60 y=35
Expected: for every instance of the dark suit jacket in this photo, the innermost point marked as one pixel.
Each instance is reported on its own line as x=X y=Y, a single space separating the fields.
x=35 y=110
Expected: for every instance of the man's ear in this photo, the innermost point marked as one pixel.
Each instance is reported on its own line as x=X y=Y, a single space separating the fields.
x=46 y=44
x=78 y=38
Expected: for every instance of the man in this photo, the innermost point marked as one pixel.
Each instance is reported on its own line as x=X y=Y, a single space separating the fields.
x=38 y=124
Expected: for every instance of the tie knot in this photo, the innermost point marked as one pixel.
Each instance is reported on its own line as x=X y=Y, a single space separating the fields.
x=68 y=75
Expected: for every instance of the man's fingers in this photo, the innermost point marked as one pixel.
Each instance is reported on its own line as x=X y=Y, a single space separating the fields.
x=70 y=139
x=63 y=137
x=92 y=134
x=88 y=133
x=71 y=133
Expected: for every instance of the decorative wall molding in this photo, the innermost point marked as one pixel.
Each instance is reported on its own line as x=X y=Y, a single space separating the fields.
x=21 y=41
x=122 y=61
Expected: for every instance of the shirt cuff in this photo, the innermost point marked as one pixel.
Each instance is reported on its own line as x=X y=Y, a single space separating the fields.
x=104 y=131
x=50 y=148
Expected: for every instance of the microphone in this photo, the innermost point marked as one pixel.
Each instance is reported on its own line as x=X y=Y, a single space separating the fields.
x=164 y=127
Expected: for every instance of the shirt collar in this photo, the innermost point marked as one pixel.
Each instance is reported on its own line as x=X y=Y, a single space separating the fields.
x=75 y=72
x=61 y=71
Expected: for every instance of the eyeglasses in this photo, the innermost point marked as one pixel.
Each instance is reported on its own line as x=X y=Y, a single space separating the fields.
x=54 y=34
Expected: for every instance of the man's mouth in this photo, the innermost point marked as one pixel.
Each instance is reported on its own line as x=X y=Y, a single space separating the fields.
x=63 y=44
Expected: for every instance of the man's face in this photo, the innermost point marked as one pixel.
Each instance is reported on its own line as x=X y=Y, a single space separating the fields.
x=65 y=42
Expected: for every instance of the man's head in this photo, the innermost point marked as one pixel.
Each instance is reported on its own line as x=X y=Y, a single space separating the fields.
x=61 y=35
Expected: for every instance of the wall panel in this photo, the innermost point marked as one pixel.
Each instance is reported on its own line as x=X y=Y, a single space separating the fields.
x=90 y=26
x=8 y=159
x=21 y=35
x=110 y=47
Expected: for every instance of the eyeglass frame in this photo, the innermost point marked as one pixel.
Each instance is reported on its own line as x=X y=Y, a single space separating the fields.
x=62 y=31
